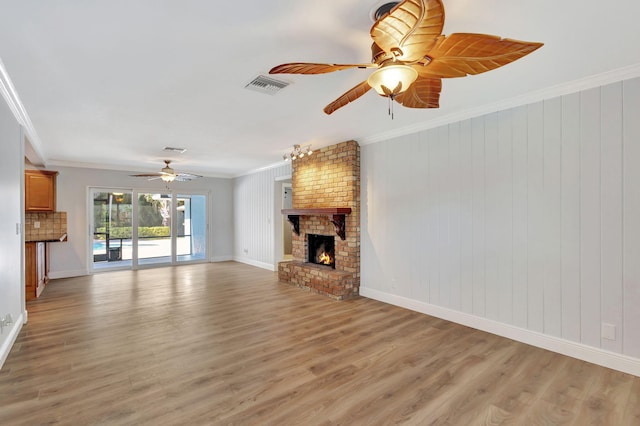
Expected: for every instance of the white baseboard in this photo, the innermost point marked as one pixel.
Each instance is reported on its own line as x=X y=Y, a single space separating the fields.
x=6 y=346
x=67 y=274
x=590 y=354
x=220 y=259
x=256 y=263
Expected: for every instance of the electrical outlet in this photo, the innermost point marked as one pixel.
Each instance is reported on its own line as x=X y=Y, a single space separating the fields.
x=608 y=331
x=36 y=225
x=245 y=251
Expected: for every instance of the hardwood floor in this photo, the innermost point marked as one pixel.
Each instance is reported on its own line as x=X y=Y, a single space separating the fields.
x=226 y=344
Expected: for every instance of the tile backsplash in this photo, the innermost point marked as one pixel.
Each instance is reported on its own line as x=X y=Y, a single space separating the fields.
x=52 y=226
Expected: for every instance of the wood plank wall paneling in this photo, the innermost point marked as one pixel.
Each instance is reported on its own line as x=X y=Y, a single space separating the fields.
x=631 y=215
x=529 y=216
x=478 y=216
x=535 y=215
x=570 y=217
x=611 y=230
x=466 y=216
x=504 y=216
x=493 y=198
x=520 y=218
x=552 y=147
x=253 y=202
x=453 y=181
x=590 y=208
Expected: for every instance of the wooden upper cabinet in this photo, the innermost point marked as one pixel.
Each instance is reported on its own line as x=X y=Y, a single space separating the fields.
x=39 y=191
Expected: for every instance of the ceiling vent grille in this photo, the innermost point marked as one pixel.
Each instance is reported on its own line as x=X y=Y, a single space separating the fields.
x=267 y=85
x=176 y=150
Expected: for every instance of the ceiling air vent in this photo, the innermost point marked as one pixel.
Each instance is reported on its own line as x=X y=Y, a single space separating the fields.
x=176 y=150
x=267 y=85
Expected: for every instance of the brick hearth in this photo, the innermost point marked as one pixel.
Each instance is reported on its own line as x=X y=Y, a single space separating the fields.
x=330 y=178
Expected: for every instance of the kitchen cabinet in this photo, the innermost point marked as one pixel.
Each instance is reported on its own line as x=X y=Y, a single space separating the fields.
x=36 y=268
x=40 y=190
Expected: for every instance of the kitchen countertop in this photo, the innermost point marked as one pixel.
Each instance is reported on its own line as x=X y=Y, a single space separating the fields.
x=62 y=238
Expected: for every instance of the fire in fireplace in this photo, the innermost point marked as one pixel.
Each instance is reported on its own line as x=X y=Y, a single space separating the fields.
x=321 y=249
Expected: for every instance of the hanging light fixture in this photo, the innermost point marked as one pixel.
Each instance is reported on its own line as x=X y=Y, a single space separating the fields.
x=392 y=79
x=168 y=175
x=298 y=152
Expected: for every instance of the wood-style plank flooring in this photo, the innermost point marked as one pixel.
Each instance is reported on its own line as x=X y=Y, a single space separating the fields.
x=226 y=344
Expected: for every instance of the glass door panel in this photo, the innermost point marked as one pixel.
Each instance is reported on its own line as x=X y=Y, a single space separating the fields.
x=111 y=224
x=191 y=227
x=154 y=242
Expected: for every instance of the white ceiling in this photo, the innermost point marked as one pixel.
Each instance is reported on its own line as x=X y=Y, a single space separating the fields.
x=110 y=83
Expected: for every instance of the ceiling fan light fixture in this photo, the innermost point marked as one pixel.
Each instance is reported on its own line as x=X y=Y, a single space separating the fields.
x=168 y=175
x=390 y=77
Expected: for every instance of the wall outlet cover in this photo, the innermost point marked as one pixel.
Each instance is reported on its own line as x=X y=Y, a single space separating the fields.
x=608 y=331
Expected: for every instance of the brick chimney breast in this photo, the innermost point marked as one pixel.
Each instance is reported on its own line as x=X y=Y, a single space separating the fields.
x=329 y=178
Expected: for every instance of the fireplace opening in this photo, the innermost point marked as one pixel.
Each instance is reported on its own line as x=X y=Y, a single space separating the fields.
x=321 y=249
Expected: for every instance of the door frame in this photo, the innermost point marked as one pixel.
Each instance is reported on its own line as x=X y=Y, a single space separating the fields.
x=277 y=227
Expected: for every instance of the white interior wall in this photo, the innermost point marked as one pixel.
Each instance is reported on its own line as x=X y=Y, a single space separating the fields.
x=254 y=215
x=70 y=258
x=524 y=222
x=11 y=216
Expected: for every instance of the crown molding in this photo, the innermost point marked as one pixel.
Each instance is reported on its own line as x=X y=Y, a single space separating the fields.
x=574 y=86
x=12 y=99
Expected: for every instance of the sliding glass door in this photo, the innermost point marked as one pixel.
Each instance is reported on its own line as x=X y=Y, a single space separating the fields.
x=191 y=227
x=111 y=213
x=132 y=229
x=154 y=236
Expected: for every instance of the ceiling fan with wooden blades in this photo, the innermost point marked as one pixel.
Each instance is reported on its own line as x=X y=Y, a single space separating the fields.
x=167 y=174
x=411 y=56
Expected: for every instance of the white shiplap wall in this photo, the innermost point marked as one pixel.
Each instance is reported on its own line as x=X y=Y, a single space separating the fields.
x=254 y=215
x=525 y=220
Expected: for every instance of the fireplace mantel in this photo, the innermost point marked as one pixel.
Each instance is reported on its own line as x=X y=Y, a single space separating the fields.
x=336 y=216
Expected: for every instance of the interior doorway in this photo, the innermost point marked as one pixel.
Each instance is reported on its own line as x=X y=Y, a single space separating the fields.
x=282 y=238
x=287 y=246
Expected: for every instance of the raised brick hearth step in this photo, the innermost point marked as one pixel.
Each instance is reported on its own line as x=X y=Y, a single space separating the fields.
x=319 y=279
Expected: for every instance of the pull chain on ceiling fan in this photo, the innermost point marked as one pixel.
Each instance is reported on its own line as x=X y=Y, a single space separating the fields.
x=412 y=56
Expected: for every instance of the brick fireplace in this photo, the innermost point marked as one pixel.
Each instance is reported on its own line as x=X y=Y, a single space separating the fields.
x=326 y=203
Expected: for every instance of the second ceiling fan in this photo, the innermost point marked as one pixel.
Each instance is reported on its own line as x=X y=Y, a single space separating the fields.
x=167 y=174
x=412 y=56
